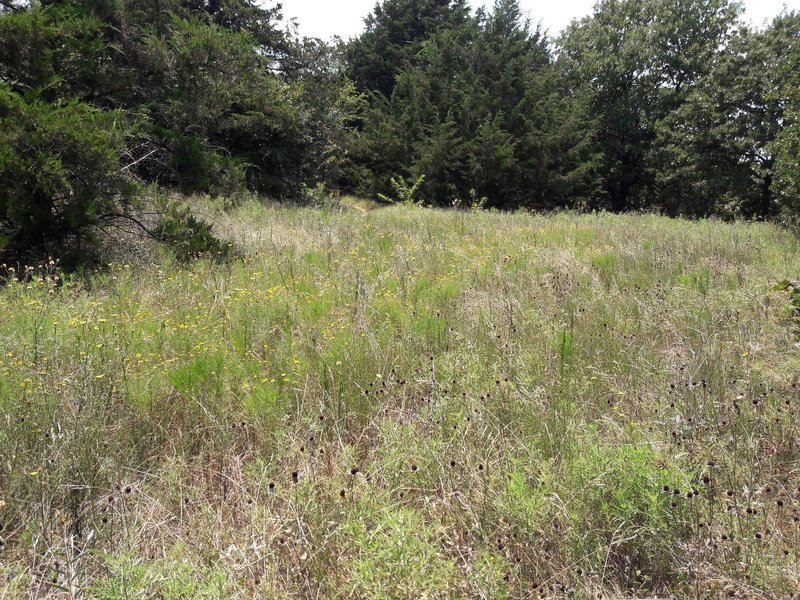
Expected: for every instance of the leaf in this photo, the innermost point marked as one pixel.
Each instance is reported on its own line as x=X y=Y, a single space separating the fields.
x=782 y=286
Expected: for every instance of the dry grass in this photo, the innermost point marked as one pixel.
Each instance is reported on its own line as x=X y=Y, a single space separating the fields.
x=408 y=403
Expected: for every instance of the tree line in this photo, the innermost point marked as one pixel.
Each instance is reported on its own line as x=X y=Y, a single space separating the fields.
x=667 y=105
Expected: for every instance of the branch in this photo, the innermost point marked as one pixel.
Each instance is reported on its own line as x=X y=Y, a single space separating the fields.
x=138 y=160
x=8 y=4
x=134 y=220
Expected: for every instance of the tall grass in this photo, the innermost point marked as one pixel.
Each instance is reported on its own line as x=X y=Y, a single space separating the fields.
x=408 y=403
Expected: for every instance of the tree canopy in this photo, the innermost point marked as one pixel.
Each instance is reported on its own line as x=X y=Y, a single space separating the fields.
x=666 y=105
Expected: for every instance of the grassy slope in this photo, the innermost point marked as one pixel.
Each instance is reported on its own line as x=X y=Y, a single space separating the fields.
x=474 y=405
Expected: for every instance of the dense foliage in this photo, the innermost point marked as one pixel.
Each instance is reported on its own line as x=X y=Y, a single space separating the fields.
x=200 y=97
x=480 y=111
x=667 y=105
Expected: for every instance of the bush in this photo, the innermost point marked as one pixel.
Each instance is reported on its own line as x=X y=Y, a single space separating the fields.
x=188 y=235
x=60 y=174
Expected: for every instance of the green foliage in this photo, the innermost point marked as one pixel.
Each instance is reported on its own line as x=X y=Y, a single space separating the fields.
x=58 y=52
x=622 y=509
x=189 y=236
x=786 y=144
x=480 y=107
x=395 y=30
x=60 y=172
x=220 y=100
x=714 y=154
x=640 y=60
x=171 y=578
x=397 y=558
x=661 y=104
x=792 y=290
x=404 y=193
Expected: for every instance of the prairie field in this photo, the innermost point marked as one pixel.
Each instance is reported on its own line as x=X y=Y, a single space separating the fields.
x=408 y=403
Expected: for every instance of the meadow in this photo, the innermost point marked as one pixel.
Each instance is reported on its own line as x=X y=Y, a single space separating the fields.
x=408 y=403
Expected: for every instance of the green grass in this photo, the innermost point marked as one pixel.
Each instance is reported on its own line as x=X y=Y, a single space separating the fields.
x=408 y=403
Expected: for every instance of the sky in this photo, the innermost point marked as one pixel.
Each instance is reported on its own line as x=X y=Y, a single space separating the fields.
x=326 y=18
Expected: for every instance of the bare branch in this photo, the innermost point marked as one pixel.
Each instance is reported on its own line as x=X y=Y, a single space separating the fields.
x=138 y=160
x=7 y=4
x=134 y=220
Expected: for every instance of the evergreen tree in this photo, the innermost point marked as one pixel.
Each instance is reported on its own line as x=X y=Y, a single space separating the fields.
x=395 y=29
x=480 y=111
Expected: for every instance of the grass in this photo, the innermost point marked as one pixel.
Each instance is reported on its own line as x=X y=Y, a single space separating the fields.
x=408 y=403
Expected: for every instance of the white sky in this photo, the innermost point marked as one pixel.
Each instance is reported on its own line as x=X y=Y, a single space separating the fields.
x=326 y=18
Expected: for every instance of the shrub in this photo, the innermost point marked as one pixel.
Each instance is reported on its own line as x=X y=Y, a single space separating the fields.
x=188 y=235
x=60 y=174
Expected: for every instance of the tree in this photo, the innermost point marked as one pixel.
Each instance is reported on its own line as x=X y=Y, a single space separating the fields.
x=395 y=29
x=216 y=97
x=60 y=172
x=480 y=111
x=786 y=146
x=715 y=154
x=641 y=59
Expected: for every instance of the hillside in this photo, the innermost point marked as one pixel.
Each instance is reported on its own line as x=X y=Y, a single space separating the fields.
x=408 y=403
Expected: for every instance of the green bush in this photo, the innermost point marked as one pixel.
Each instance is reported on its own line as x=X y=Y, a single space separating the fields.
x=188 y=235
x=60 y=174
